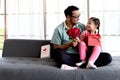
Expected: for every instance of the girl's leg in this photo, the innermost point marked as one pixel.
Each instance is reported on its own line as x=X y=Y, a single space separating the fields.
x=95 y=53
x=82 y=52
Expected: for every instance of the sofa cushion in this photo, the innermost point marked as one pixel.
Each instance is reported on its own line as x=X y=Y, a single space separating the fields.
x=19 y=68
x=44 y=69
x=23 y=48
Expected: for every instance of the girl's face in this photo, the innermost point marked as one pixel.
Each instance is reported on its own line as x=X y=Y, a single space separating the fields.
x=91 y=26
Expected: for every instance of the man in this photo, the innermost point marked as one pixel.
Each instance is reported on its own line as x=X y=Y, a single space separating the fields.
x=65 y=53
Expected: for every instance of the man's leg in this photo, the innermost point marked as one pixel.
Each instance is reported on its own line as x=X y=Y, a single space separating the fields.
x=103 y=59
x=62 y=57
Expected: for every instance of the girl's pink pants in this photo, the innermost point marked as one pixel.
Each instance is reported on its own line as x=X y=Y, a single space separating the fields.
x=83 y=49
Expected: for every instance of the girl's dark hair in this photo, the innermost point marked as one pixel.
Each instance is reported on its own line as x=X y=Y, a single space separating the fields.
x=96 y=22
x=69 y=9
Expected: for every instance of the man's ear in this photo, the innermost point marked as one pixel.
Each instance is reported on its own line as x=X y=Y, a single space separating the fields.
x=68 y=17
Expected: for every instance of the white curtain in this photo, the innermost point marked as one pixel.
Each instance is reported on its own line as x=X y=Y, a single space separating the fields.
x=109 y=13
x=25 y=19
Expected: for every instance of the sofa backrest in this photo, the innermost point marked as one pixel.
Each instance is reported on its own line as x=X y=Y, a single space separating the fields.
x=23 y=48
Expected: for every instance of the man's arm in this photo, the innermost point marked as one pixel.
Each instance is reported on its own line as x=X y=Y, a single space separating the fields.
x=66 y=46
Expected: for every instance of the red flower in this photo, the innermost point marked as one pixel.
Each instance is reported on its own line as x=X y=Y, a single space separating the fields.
x=73 y=32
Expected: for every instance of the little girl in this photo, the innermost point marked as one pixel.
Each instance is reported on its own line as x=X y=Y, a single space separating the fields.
x=84 y=49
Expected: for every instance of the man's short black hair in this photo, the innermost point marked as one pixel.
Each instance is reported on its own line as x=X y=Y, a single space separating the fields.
x=69 y=9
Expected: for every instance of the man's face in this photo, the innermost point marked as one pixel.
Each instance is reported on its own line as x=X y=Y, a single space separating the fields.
x=75 y=17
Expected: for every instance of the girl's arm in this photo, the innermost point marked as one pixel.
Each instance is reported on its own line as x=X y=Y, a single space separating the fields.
x=83 y=34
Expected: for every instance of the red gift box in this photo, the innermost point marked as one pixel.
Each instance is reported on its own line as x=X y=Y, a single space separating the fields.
x=73 y=32
x=93 y=40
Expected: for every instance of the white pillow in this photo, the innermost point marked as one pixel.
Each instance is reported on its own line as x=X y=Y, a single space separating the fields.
x=45 y=51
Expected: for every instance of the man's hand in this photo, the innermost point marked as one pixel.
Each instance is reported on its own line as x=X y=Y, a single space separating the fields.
x=75 y=41
x=77 y=38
